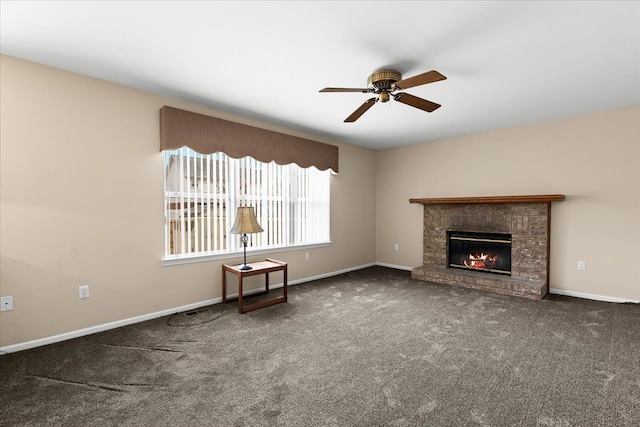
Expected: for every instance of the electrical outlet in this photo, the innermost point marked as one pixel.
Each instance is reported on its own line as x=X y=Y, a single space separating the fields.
x=396 y=247
x=582 y=265
x=306 y=256
x=6 y=303
x=83 y=291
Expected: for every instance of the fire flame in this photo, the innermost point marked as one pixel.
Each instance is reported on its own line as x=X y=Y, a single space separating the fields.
x=481 y=261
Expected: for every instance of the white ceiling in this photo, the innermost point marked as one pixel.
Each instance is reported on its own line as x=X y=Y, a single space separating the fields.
x=507 y=63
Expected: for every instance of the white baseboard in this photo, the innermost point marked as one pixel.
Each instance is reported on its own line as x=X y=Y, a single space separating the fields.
x=333 y=273
x=591 y=296
x=397 y=267
x=137 y=319
x=104 y=327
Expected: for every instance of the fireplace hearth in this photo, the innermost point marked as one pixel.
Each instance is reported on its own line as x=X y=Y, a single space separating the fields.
x=497 y=244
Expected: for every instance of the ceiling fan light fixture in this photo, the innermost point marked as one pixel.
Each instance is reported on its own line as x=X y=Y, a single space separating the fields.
x=383 y=80
x=384 y=97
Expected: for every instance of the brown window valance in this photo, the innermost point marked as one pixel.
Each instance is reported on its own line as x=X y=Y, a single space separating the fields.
x=208 y=135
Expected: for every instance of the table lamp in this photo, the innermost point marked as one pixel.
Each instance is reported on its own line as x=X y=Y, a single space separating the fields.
x=246 y=222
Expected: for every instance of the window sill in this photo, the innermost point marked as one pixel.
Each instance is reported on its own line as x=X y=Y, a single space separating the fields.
x=250 y=252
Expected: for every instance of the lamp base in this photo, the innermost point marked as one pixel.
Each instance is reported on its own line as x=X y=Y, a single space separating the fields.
x=245 y=267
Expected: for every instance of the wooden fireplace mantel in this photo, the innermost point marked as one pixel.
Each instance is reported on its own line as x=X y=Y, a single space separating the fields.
x=541 y=198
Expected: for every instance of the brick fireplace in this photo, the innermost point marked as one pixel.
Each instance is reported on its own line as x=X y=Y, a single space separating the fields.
x=526 y=219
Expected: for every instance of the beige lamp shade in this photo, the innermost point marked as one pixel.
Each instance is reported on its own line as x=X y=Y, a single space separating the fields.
x=246 y=221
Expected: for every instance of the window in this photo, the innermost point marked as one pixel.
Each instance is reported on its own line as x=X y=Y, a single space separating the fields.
x=203 y=192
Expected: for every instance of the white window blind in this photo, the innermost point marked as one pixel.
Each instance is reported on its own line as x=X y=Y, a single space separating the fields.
x=203 y=192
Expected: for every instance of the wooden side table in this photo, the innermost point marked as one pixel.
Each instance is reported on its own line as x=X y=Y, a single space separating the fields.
x=260 y=267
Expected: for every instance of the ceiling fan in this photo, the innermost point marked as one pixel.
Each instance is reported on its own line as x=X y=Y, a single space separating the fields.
x=384 y=83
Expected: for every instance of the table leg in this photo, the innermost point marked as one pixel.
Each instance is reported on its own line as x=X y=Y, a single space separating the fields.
x=240 y=293
x=224 y=286
x=284 y=285
x=266 y=280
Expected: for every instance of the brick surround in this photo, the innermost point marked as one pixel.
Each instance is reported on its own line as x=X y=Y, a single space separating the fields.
x=529 y=226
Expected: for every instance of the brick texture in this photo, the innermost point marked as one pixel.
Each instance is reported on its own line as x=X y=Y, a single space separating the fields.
x=528 y=224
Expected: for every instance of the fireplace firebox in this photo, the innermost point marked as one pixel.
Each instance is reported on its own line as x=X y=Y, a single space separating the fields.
x=483 y=252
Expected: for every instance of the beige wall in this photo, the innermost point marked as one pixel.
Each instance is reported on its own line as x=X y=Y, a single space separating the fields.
x=81 y=203
x=594 y=160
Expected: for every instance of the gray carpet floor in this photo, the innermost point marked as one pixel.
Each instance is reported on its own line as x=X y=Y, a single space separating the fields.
x=369 y=348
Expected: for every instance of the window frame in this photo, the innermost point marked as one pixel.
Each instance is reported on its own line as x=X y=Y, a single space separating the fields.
x=188 y=190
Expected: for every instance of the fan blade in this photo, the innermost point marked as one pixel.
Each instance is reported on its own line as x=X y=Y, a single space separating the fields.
x=344 y=89
x=420 y=79
x=361 y=110
x=414 y=101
